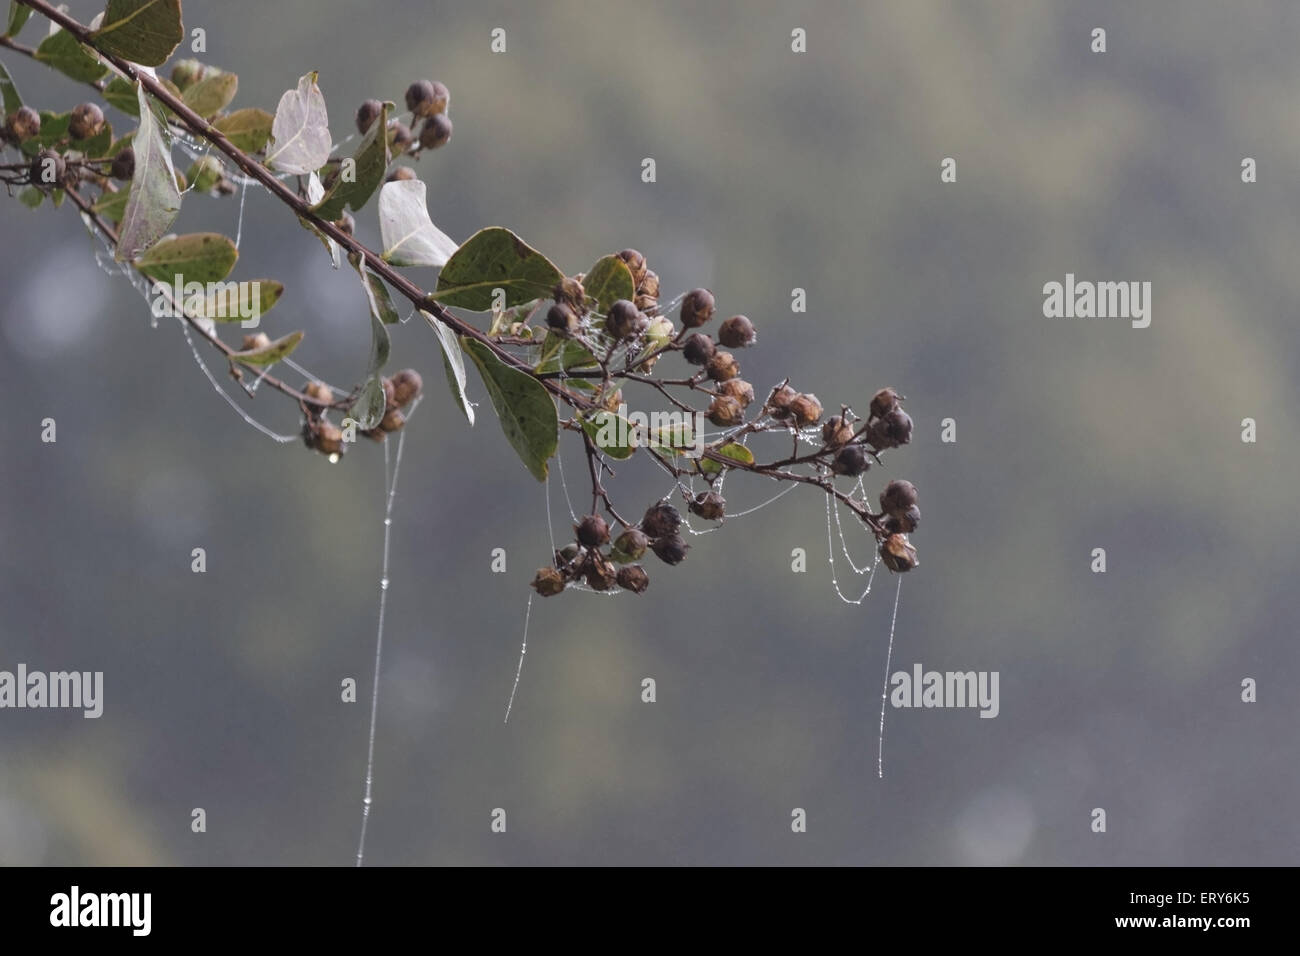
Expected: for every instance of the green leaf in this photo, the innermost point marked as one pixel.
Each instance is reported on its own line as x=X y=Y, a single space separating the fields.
x=198 y=257
x=121 y=94
x=8 y=91
x=154 y=199
x=314 y=193
x=30 y=197
x=269 y=354
x=494 y=258
x=142 y=31
x=204 y=173
x=620 y=443
x=370 y=405
x=300 y=130
x=523 y=405
x=368 y=166
x=249 y=129
x=377 y=296
x=736 y=452
x=453 y=362
x=112 y=205
x=608 y=281
x=62 y=51
x=18 y=15
x=409 y=236
x=560 y=354
x=212 y=94
x=223 y=305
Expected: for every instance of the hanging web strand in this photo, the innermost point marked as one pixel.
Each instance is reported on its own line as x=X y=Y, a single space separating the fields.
x=884 y=693
x=390 y=483
x=520 y=669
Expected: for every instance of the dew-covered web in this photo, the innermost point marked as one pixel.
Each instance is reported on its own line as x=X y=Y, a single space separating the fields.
x=834 y=531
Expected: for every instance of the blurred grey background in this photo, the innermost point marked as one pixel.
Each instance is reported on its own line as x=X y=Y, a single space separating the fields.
x=775 y=170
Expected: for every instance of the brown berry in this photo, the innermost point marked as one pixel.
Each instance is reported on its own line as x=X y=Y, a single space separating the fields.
x=407 y=386
x=883 y=402
x=905 y=523
x=898 y=554
x=698 y=348
x=592 y=531
x=24 y=123
x=722 y=366
x=319 y=391
x=893 y=430
x=601 y=574
x=649 y=285
x=436 y=131
x=548 y=582
x=393 y=420
x=898 y=496
x=806 y=409
x=697 y=308
x=671 y=549
x=561 y=320
x=709 y=505
x=123 y=167
x=328 y=439
x=661 y=520
x=400 y=138
x=635 y=264
x=625 y=320
x=778 y=405
x=401 y=174
x=737 y=332
x=427 y=98
x=837 y=432
x=367 y=113
x=87 y=120
x=738 y=389
x=851 y=460
x=569 y=291
x=632 y=577
x=725 y=411
x=47 y=169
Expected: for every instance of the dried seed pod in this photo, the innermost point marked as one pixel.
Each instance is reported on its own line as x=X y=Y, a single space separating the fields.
x=567 y=555
x=632 y=577
x=592 y=531
x=898 y=554
x=725 y=411
x=631 y=544
x=661 y=520
x=671 y=549
x=851 y=460
x=562 y=320
x=393 y=420
x=738 y=389
x=806 y=409
x=898 y=496
x=893 y=430
x=23 y=124
x=778 y=404
x=569 y=291
x=698 y=348
x=697 y=308
x=709 y=505
x=548 y=582
x=837 y=433
x=883 y=402
x=401 y=174
x=400 y=139
x=737 y=332
x=123 y=167
x=649 y=284
x=367 y=113
x=612 y=400
x=625 y=320
x=318 y=391
x=635 y=264
x=87 y=120
x=436 y=131
x=722 y=366
x=646 y=303
x=407 y=386
x=390 y=394
x=601 y=574
x=905 y=523
x=427 y=98
x=328 y=439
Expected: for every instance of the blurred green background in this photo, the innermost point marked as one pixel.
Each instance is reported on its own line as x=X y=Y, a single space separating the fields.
x=775 y=170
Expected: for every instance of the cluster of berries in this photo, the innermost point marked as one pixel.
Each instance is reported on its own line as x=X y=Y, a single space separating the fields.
x=427 y=101
x=322 y=435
